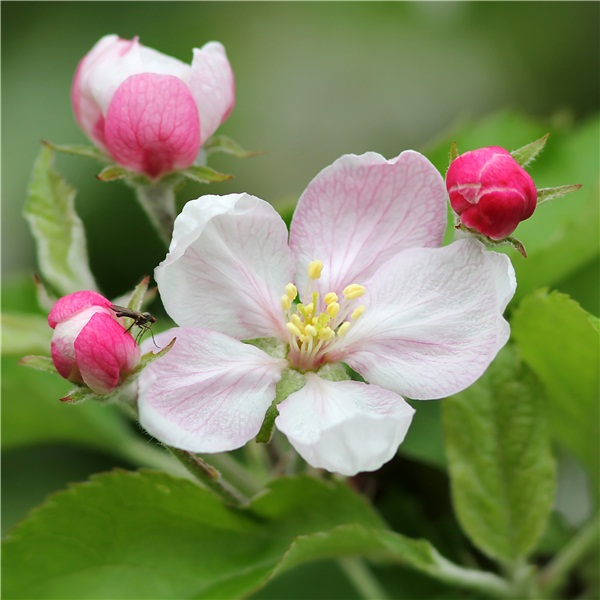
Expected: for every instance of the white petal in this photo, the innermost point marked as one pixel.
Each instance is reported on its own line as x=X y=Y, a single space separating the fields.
x=209 y=393
x=212 y=84
x=227 y=267
x=433 y=321
x=345 y=426
x=361 y=210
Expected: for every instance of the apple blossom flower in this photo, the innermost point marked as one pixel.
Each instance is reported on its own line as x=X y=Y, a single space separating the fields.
x=90 y=344
x=363 y=282
x=149 y=111
x=490 y=191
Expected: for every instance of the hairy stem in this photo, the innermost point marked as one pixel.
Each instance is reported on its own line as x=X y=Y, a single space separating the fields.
x=553 y=575
x=208 y=476
x=158 y=201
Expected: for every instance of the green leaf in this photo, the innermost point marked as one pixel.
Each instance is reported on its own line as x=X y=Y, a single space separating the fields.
x=560 y=342
x=502 y=471
x=204 y=174
x=148 y=535
x=58 y=231
x=221 y=143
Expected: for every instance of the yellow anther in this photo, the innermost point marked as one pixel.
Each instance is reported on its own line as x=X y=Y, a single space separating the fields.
x=326 y=334
x=286 y=303
x=309 y=309
x=311 y=330
x=343 y=328
x=333 y=309
x=330 y=297
x=314 y=269
x=293 y=329
x=353 y=291
x=291 y=291
x=359 y=310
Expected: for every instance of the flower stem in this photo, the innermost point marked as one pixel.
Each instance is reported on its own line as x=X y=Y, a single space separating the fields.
x=158 y=201
x=362 y=578
x=208 y=476
x=552 y=576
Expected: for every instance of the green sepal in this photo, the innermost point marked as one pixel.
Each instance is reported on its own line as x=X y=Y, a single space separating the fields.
x=291 y=381
x=545 y=194
x=490 y=243
x=113 y=173
x=39 y=363
x=203 y=174
x=124 y=392
x=149 y=357
x=79 y=150
x=453 y=152
x=528 y=153
x=272 y=346
x=221 y=143
x=138 y=297
x=334 y=372
x=57 y=229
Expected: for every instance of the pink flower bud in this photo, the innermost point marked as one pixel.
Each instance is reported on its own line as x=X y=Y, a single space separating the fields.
x=149 y=111
x=90 y=345
x=490 y=191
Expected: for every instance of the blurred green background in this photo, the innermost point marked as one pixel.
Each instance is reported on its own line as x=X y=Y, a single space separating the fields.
x=314 y=80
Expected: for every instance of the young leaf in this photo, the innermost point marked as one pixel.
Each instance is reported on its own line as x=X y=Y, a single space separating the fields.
x=58 y=231
x=501 y=468
x=560 y=342
x=24 y=333
x=148 y=535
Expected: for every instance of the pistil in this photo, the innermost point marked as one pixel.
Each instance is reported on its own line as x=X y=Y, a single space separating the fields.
x=313 y=327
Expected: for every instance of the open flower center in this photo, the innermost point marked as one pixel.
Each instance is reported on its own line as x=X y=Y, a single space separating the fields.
x=315 y=325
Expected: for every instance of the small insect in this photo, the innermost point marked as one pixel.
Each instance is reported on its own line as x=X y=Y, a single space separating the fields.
x=144 y=320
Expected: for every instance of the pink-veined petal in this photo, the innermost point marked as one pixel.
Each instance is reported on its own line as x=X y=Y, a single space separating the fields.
x=227 y=267
x=361 y=210
x=209 y=393
x=105 y=352
x=344 y=426
x=68 y=317
x=152 y=124
x=213 y=87
x=68 y=306
x=433 y=321
x=104 y=68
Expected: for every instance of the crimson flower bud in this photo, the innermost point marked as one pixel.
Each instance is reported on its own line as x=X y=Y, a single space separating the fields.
x=490 y=191
x=90 y=344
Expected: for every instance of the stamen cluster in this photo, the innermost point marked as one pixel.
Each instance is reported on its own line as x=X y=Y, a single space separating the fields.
x=314 y=326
